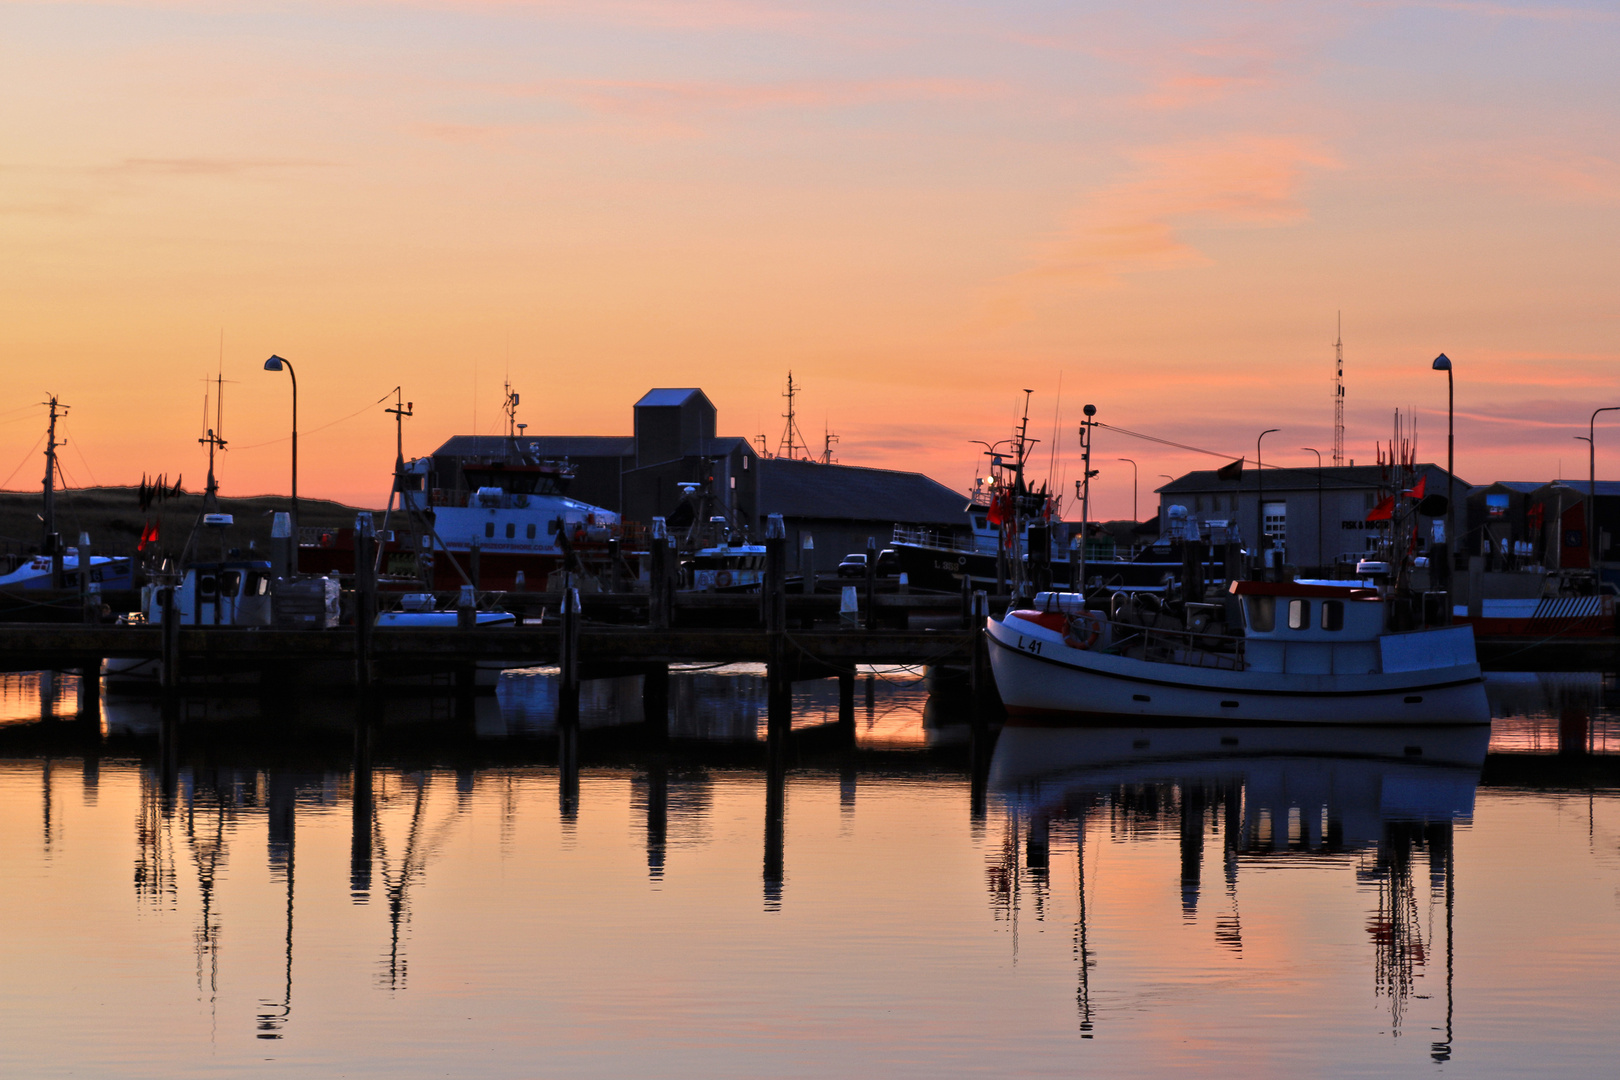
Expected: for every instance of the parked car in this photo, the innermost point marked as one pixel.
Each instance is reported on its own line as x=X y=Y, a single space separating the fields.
x=854 y=564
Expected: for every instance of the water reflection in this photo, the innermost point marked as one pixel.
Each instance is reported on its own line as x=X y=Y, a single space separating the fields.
x=441 y=860
x=1373 y=799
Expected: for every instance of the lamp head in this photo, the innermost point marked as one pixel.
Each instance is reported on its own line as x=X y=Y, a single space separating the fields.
x=1090 y=410
x=1442 y=362
x=274 y=363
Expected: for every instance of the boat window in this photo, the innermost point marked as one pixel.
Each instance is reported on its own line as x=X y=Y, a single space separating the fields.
x=230 y=581
x=1262 y=614
x=511 y=529
x=257 y=584
x=206 y=585
x=489 y=528
x=1299 y=614
x=981 y=522
x=552 y=526
x=1333 y=614
x=529 y=532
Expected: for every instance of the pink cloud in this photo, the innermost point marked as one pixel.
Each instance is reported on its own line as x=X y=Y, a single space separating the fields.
x=665 y=99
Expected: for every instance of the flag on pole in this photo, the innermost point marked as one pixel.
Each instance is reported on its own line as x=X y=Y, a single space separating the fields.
x=1419 y=489
x=1383 y=511
x=1234 y=471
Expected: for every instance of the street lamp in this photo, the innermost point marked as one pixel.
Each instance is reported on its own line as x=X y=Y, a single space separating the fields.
x=276 y=363
x=1134 y=519
x=1591 y=485
x=1260 y=495
x=1443 y=363
x=1318 y=454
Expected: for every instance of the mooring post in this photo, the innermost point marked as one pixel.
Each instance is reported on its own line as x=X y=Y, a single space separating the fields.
x=474 y=570
x=846 y=702
x=568 y=656
x=365 y=598
x=568 y=771
x=659 y=591
x=615 y=567
x=979 y=671
x=655 y=702
x=967 y=600
x=657 y=817
x=169 y=666
x=773 y=594
x=467 y=608
x=90 y=694
x=807 y=564
x=871 y=582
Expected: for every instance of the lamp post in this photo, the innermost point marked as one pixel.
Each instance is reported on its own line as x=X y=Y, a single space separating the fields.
x=1134 y=519
x=1591 y=485
x=1443 y=363
x=1260 y=496
x=276 y=363
x=1318 y=454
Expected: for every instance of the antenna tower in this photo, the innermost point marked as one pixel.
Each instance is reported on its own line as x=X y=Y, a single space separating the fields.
x=1338 y=394
x=509 y=407
x=828 y=437
x=58 y=410
x=792 y=437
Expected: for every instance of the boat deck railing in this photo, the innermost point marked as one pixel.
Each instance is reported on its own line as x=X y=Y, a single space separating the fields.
x=935 y=538
x=1188 y=647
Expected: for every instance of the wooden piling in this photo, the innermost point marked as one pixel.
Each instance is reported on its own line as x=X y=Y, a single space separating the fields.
x=661 y=595
x=871 y=582
x=361 y=805
x=568 y=657
x=776 y=753
x=365 y=599
x=169 y=664
x=846 y=701
x=474 y=569
x=655 y=702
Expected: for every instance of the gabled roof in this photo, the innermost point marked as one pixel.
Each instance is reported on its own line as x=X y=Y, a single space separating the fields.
x=549 y=446
x=809 y=489
x=672 y=396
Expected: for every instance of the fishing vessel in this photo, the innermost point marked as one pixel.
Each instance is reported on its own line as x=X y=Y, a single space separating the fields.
x=501 y=510
x=1306 y=652
x=107 y=571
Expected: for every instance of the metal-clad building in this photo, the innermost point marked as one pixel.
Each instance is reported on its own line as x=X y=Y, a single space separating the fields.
x=1317 y=516
x=841 y=505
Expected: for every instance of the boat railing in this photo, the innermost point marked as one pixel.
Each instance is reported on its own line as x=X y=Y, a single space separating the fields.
x=934 y=538
x=1192 y=648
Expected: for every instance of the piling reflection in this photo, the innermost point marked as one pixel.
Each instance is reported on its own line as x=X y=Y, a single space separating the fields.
x=1383 y=801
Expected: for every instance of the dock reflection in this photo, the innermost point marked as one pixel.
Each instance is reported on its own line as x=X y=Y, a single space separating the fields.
x=1380 y=801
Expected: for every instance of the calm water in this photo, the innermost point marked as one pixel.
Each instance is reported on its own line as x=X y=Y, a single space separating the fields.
x=1112 y=902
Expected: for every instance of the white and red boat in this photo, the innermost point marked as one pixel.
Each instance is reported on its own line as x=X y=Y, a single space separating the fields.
x=1308 y=652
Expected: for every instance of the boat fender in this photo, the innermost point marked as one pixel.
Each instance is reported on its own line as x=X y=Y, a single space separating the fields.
x=722 y=578
x=1084 y=630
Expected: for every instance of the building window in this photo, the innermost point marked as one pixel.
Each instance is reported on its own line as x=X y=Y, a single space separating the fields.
x=745 y=463
x=489 y=528
x=1277 y=520
x=733 y=483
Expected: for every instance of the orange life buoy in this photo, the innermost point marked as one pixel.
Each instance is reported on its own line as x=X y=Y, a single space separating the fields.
x=722 y=578
x=1084 y=629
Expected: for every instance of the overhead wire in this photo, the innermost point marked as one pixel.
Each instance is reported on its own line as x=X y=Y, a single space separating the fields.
x=24 y=461
x=323 y=427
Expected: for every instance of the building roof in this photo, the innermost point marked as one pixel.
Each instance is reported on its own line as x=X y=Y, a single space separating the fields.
x=671 y=396
x=809 y=489
x=1339 y=477
x=549 y=446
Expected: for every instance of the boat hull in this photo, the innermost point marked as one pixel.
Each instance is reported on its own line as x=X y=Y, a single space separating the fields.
x=1042 y=681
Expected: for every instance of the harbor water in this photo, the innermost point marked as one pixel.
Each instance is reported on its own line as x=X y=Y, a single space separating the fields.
x=275 y=896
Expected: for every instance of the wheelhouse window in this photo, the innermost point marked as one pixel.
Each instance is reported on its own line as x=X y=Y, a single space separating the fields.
x=489 y=528
x=229 y=581
x=1333 y=614
x=529 y=530
x=1299 y=614
x=1262 y=612
x=511 y=530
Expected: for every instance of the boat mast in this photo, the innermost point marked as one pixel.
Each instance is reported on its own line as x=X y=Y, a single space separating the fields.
x=1021 y=451
x=213 y=438
x=1084 y=484
x=52 y=543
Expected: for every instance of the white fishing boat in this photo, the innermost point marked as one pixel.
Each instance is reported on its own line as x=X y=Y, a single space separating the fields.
x=1308 y=652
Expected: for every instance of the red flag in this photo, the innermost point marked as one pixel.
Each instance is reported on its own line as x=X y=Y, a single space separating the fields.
x=993 y=515
x=1419 y=488
x=1383 y=511
x=149 y=535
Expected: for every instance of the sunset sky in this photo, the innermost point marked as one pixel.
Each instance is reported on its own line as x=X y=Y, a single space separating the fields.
x=920 y=209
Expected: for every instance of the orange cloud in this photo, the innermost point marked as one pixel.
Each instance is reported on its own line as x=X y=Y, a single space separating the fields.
x=1248 y=181
x=645 y=98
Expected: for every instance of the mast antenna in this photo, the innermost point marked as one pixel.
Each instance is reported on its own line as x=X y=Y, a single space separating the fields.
x=792 y=438
x=1338 y=394
x=828 y=437
x=58 y=410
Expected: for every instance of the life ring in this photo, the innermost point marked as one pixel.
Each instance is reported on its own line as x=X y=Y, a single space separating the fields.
x=1084 y=629
x=722 y=578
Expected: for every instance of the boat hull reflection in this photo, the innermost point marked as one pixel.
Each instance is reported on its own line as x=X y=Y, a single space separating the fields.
x=1362 y=776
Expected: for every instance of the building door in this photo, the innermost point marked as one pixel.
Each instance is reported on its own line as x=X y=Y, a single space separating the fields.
x=1275 y=516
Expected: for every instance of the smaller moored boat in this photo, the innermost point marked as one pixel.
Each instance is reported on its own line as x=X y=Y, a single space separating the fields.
x=1313 y=652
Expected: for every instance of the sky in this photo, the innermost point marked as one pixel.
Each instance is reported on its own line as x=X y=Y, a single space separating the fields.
x=920 y=209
